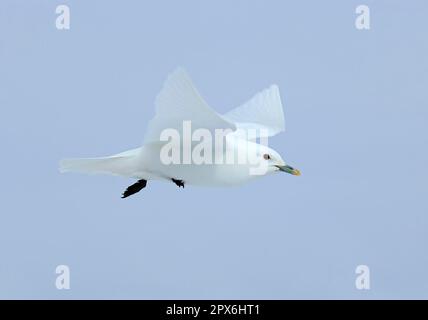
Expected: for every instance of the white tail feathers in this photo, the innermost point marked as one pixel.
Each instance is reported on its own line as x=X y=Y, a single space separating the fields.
x=122 y=164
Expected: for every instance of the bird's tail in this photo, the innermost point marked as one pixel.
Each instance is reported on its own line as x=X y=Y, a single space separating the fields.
x=122 y=164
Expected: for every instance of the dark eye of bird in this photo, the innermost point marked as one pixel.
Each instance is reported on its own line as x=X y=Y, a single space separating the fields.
x=266 y=156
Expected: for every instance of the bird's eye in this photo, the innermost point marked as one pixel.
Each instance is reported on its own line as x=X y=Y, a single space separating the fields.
x=266 y=156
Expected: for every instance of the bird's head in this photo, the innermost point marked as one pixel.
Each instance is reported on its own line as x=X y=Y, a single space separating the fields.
x=274 y=162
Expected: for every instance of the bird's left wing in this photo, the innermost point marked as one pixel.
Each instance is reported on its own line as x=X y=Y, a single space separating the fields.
x=179 y=101
x=263 y=114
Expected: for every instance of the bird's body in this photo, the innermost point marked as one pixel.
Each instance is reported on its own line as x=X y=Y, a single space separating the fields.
x=199 y=159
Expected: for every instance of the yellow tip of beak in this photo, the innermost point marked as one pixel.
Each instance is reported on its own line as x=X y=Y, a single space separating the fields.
x=296 y=172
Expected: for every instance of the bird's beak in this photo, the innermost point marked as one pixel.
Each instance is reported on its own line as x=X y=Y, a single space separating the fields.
x=289 y=169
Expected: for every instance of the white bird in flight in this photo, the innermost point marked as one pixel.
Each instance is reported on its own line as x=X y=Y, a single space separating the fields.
x=179 y=102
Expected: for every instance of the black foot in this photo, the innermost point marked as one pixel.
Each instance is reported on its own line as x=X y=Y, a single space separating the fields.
x=179 y=183
x=140 y=184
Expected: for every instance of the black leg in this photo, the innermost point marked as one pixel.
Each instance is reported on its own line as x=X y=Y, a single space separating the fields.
x=140 y=184
x=179 y=183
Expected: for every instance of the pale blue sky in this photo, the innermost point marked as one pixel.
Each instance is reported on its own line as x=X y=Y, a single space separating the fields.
x=356 y=108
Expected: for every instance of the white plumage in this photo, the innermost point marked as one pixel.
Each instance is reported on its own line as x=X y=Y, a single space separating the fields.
x=179 y=101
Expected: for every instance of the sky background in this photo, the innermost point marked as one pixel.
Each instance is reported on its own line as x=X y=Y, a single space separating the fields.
x=356 y=110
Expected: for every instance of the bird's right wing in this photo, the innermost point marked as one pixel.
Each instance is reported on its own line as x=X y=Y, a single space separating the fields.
x=179 y=101
x=263 y=114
